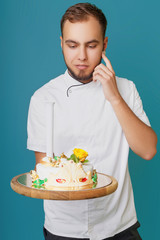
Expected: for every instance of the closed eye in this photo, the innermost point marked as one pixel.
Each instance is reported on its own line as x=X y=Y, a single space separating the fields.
x=72 y=46
x=92 y=46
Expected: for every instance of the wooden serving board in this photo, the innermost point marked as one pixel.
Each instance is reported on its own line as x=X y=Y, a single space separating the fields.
x=105 y=186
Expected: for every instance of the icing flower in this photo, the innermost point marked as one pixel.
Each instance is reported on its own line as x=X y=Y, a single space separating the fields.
x=80 y=154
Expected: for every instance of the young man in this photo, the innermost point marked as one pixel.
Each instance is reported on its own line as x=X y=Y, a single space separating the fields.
x=101 y=113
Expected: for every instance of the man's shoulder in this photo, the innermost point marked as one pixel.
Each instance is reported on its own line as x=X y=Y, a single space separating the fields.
x=126 y=88
x=124 y=81
x=48 y=89
x=124 y=84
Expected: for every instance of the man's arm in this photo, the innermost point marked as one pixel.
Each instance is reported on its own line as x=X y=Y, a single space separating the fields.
x=141 y=138
x=39 y=156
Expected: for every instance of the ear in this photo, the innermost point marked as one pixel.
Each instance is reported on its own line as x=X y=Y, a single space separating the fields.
x=105 y=43
x=61 y=40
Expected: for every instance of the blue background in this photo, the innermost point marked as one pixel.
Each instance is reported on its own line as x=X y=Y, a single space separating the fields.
x=31 y=56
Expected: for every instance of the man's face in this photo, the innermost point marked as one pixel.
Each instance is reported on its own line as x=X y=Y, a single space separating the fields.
x=82 y=46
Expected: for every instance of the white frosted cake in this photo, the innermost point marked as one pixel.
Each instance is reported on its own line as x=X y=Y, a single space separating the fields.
x=75 y=171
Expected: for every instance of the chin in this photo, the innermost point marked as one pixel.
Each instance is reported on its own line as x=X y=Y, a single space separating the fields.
x=81 y=75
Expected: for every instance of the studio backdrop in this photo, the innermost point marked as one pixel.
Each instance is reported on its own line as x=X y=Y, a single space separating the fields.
x=31 y=56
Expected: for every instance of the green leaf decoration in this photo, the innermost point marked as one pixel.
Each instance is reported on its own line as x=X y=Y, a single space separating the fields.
x=94 y=178
x=38 y=187
x=85 y=161
x=39 y=183
x=74 y=158
x=94 y=185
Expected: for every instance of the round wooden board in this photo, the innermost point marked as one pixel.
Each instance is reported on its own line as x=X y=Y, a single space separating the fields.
x=105 y=186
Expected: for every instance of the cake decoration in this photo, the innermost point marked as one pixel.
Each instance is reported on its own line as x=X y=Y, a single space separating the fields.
x=58 y=172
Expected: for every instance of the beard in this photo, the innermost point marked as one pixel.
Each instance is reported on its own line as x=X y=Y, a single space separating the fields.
x=81 y=76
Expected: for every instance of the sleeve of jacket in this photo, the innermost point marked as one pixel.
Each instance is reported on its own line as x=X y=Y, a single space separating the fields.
x=36 y=128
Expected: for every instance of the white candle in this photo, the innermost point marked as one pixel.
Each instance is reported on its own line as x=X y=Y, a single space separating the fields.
x=49 y=128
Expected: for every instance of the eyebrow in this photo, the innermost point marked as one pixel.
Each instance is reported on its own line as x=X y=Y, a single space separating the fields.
x=75 y=42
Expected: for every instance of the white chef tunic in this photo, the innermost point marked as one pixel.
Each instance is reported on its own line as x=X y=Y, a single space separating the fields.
x=85 y=119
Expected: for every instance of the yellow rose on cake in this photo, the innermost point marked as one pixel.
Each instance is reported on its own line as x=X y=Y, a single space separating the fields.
x=80 y=154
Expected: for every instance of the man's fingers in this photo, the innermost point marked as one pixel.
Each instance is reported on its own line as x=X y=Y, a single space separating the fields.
x=108 y=63
x=105 y=72
x=104 y=68
x=98 y=77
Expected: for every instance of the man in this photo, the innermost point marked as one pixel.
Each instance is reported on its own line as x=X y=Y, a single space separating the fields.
x=101 y=113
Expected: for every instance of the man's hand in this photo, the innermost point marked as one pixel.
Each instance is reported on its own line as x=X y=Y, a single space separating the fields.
x=106 y=75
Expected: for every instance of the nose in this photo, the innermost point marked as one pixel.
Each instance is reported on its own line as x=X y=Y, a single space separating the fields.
x=82 y=55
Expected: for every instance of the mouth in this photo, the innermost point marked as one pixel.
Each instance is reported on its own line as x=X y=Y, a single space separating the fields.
x=82 y=67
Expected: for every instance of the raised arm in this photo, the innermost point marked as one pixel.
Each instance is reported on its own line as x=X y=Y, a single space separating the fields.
x=141 y=138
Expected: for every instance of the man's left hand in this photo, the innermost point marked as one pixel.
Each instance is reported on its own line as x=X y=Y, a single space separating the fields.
x=106 y=75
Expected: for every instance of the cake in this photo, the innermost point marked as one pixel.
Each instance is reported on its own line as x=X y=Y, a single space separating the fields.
x=61 y=172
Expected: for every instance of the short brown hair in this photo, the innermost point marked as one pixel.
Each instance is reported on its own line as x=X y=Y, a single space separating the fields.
x=81 y=12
